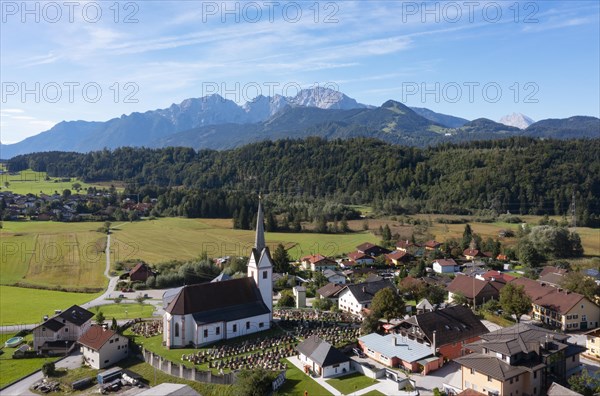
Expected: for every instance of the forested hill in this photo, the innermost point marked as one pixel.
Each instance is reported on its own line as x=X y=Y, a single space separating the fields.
x=520 y=175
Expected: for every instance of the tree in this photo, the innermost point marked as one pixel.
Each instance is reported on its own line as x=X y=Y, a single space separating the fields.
x=256 y=382
x=323 y=304
x=577 y=282
x=387 y=304
x=435 y=294
x=467 y=236
x=386 y=233
x=344 y=225
x=49 y=369
x=66 y=193
x=319 y=279
x=369 y=324
x=100 y=317
x=584 y=383
x=528 y=254
x=114 y=325
x=491 y=306
x=287 y=299
x=6 y=184
x=515 y=301
x=76 y=186
x=281 y=259
x=140 y=299
x=459 y=299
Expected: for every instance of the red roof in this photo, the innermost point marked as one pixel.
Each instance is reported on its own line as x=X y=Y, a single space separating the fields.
x=561 y=301
x=396 y=255
x=358 y=255
x=96 y=337
x=502 y=257
x=498 y=276
x=139 y=267
x=432 y=244
x=472 y=287
x=446 y=262
x=314 y=258
x=365 y=246
x=404 y=244
x=472 y=253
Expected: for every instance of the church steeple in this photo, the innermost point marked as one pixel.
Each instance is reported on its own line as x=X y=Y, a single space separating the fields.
x=259 y=241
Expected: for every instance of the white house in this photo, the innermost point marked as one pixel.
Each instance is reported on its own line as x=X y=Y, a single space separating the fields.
x=445 y=266
x=354 y=298
x=204 y=313
x=322 y=358
x=102 y=347
x=61 y=331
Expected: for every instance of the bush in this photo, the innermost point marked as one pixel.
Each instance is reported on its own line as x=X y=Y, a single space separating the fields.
x=49 y=369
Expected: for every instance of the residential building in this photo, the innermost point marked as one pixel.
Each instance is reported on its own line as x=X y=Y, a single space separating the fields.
x=445 y=266
x=472 y=254
x=432 y=245
x=518 y=360
x=559 y=390
x=102 y=347
x=398 y=257
x=334 y=276
x=495 y=276
x=407 y=246
x=141 y=272
x=371 y=249
x=395 y=350
x=354 y=298
x=559 y=307
x=205 y=313
x=592 y=344
x=317 y=262
x=322 y=358
x=447 y=330
x=61 y=331
x=476 y=291
x=330 y=290
x=361 y=258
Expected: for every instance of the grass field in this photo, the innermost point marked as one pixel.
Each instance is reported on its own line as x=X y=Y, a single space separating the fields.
x=125 y=311
x=31 y=182
x=176 y=238
x=13 y=369
x=52 y=254
x=22 y=305
x=351 y=383
x=297 y=383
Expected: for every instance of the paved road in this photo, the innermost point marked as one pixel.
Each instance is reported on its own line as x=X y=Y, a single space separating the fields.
x=22 y=387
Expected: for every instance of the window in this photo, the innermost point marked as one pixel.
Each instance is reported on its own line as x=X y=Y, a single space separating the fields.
x=517 y=378
x=261 y=325
x=205 y=333
x=218 y=331
x=535 y=391
x=489 y=379
x=247 y=325
x=176 y=329
x=534 y=376
x=472 y=371
x=511 y=380
x=111 y=341
x=573 y=358
x=234 y=328
x=117 y=339
x=264 y=274
x=106 y=361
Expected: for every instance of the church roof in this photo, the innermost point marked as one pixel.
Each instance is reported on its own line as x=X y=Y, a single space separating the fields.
x=259 y=241
x=230 y=296
x=258 y=255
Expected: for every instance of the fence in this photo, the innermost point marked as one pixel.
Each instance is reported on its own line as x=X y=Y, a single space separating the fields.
x=180 y=371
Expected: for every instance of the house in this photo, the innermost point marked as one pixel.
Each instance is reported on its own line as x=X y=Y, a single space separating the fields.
x=552 y=278
x=592 y=344
x=424 y=306
x=354 y=298
x=548 y=269
x=361 y=258
x=322 y=358
x=560 y=308
x=472 y=254
x=371 y=250
x=447 y=330
x=334 y=276
x=407 y=246
x=317 y=262
x=445 y=266
x=559 y=390
x=519 y=360
x=495 y=276
x=141 y=272
x=397 y=257
x=102 y=347
x=394 y=350
x=330 y=290
x=475 y=290
x=208 y=312
x=432 y=245
x=61 y=331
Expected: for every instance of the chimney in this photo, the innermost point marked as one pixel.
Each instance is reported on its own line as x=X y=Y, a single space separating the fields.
x=364 y=289
x=434 y=343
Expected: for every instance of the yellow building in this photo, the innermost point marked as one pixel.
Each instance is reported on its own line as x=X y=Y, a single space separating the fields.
x=518 y=360
x=592 y=344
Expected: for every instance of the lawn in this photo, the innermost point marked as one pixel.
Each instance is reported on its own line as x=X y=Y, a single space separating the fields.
x=13 y=369
x=177 y=238
x=351 y=383
x=297 y=383
x=31 y=182
x=499 y=320
x=125 y=311
x=21 y=305
x=52 y=255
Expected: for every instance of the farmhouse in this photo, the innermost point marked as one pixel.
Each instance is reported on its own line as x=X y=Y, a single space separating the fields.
x=209 y=312
x=354 y=298
x=475 y=290
x=472 y=254
x=330 y=290
x=141 y=272
x=322 y=358
x=397 y=257
x=317 y=262
x=361 y=258
x=102 y=347
x=447 y=330
x=62 y=330
x=371 y=250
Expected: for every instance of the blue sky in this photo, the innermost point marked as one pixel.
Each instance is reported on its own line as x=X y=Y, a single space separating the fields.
x=482 y=60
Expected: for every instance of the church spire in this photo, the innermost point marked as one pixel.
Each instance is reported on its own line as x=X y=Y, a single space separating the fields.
x=259 y=242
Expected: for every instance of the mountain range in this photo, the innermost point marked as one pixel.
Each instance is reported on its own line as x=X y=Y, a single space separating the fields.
x=217 y=123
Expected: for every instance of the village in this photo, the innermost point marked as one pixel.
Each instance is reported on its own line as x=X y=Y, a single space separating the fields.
x=458 y=326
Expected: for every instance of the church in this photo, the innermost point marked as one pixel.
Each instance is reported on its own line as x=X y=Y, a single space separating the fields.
x=208 y=312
